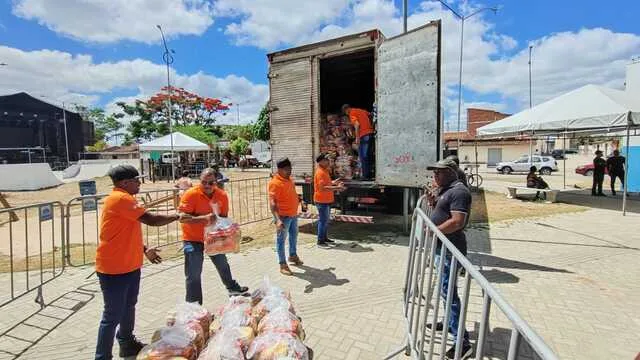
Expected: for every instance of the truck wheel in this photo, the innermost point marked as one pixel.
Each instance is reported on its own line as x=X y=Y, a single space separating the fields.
x=507 y=170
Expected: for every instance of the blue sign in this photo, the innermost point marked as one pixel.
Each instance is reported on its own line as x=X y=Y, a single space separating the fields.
x=46 y=212
x=87 y=187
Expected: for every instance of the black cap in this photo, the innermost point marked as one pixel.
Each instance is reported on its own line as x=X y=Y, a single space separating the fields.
x=283 y=163
x=443 y=164
x=321 y=157
x=123 y=172
x=598 y=152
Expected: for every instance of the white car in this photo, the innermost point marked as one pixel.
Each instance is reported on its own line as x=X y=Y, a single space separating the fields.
x=545 y=165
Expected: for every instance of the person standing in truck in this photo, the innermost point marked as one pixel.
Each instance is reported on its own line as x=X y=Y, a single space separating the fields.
x=615 y=166
x=361 y=120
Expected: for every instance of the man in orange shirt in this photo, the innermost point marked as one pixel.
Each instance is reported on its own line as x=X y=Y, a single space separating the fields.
x=198 y=203
x=119 y=259
x=284 y=202
x=364 y=138
x=323 y=188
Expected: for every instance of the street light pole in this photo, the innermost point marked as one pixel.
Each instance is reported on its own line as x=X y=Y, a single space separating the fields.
x=405 y=11
x=168 y=59
x=462 y=20
x=238 y=113
x=530 y=97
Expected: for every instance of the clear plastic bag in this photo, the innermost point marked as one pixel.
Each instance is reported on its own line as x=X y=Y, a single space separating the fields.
x=277 y=346
x=270 y=303
x=192 y=329
x=233 y=316
x=222 y=236
x=228 y=345
x=174 y=341
x=281 y=320
x=267 y=288
x=186 y=312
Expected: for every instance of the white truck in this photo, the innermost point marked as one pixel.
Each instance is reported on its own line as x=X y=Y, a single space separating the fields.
x=400 y=75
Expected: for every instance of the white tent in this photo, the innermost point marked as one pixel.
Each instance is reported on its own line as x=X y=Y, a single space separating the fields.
x=181 y=142
x=585 y=108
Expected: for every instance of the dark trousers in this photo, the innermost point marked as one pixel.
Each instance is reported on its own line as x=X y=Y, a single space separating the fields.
x=613 y=181
x=365 y=153
x=120 y=294
x=193 y=259
x=598 y=178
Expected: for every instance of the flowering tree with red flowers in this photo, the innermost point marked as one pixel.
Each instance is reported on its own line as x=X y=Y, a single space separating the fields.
x=187 y=108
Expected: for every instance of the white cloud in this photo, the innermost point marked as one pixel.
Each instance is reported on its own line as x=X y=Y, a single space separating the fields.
x=107 y=21
x=58 y=76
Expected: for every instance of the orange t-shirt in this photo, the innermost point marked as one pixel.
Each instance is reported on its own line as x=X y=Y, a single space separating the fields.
x=196 y=202
x=120 y=248
x=361 y=117
x=322 y=178
x=283 y=191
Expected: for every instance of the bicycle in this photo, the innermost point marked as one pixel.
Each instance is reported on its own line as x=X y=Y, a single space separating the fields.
x=474 y=180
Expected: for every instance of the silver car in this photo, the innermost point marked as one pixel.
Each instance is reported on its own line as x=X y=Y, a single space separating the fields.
x=545 y=164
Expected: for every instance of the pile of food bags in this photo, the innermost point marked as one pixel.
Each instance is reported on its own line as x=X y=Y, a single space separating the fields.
x=262 y=327
x=184 y=336
x=222 y=237
x=336 y=139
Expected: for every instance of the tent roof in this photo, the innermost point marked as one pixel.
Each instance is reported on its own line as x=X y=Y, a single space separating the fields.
x=588 y=107
x=181 y=142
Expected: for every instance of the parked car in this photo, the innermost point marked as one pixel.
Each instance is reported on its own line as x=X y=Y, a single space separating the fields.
x=587 y=170
x=166 y=158
x=545 y=164
x=560 y=154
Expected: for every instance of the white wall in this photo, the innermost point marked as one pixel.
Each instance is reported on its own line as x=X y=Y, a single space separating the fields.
x=509 y=151
x=633 y=78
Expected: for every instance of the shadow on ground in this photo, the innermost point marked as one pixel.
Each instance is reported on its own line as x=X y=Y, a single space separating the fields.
x=583 y=197
x=318 y=278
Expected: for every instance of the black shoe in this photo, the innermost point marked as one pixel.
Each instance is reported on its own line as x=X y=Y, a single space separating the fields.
x=323 y=244
x=131 y=348
x=439 y=326
x=465 y=352
x=329 y=241
x=239 y=291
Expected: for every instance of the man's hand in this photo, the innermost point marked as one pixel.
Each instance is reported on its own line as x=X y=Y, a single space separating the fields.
x=152 y=255
x=279 y=225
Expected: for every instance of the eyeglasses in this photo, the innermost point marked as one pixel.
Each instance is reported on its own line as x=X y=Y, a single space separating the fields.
x=212 y=182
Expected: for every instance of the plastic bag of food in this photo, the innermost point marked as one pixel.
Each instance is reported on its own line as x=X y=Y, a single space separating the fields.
x=193 y=329
x=222 y=237
x=267 y=288
x=281 y=320
x=174 y=341
x=233 y=317
x=228 y=345
x=277 y=346
x=186 y=312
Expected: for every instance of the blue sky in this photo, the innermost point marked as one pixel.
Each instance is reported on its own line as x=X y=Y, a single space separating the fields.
x=110 y=51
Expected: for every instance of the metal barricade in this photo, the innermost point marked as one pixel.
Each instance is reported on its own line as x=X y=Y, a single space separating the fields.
x=83 y=224
x=422 y=293
x=33 y=236
x=248 y=203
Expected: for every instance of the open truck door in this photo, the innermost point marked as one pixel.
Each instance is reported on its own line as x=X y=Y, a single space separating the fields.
x=408 y=100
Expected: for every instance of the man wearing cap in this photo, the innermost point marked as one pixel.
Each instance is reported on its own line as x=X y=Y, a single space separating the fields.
x=283 y=201
x=364 y=138
x=462 y=176
x=599 y=165
x=199 y=203
x=451 y=209
x=323 y=188
x=119 y=259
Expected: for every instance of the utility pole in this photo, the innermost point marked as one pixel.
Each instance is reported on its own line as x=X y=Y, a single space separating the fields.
x=168 y=59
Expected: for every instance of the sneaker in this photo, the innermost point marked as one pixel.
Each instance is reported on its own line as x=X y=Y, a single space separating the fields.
x=465 y=352
x=284 y=270
x=295 y=260
x=439 y=326
x=329 y=241
x=239 y=291
x=323 y=244
x=131 y=348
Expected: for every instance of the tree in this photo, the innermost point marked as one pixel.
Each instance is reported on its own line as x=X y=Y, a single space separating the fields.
x=100 y=145
x=105 y=127
x=261 y=129
x=198 y=132
x=186 y=107
x=239 y=146
x=232 y=132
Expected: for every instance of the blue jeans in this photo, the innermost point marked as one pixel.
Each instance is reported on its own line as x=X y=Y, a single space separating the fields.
x=454 y=316
x=291 y=227
x=120 y=295
x=323 y=220
x=365 y=155
x=193 y=259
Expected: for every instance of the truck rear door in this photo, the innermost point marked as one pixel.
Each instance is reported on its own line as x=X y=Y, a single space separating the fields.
x=408 y=100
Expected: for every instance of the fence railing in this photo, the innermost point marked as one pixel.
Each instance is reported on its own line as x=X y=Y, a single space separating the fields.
x=33 y=236
x=248 y=203
x=424 y=276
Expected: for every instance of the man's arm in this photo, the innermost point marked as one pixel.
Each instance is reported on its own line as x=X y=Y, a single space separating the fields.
x=157 y=219
x=274 y=210
x=455 y=223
